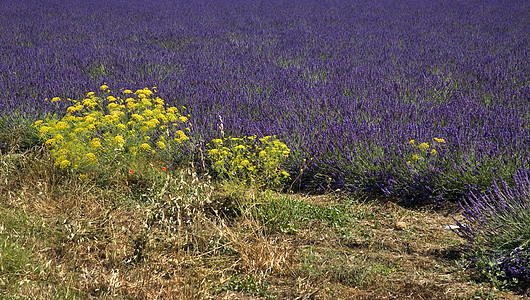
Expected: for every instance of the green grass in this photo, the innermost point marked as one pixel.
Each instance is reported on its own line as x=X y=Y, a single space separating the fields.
x=287 y=214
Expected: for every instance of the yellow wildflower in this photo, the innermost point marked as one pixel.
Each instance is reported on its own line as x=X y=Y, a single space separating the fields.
x=90 y=94
x=50 y=143
x=137 y=117
x=69 y=118
x=55 y=99
x=411 y=142
x=95 y=143
x=145 y=147
x=183 y=119
x=43 y=130
x=90 y=157
x=182 y=136
x=439 y=140
x=103 y=87
x=131 y=105
x=152 y=123
x=119 y=140
x=415 y=156
x=90 y=119
x=127 y=92
x=89 y=103
x=148 y=113
x=71 y=109
x=64 y=164
x=147 y=92
x=162 y=118
x=424 y=146
x=62 y=151
x=161 y=145
x=433 y=151
x=61 y=125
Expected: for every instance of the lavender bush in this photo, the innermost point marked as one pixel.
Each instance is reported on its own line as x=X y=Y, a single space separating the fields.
x=344 y=84
x=497 y=227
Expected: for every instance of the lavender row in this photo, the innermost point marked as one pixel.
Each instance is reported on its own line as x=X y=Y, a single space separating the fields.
x=345 y=84
x=496 y=228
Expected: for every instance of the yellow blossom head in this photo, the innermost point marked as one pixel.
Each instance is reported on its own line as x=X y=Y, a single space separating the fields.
x=119 y=140
x=145 y=147
x=64 y=164
x=90 y=157
x=61 y=125
x=95 y=143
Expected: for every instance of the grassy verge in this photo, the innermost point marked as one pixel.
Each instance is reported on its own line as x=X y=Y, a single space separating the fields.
x=189 y=238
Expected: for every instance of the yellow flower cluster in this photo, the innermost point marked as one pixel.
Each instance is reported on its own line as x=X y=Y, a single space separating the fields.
x=104 y=128
x=424 y=150
x=249 y=160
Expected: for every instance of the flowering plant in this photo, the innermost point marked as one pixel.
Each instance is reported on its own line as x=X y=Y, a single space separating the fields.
x=113 y=131
x=426 y=152
x=249 y=159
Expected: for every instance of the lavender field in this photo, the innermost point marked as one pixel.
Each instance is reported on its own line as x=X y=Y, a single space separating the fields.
x=421 y=102
x=345 y=84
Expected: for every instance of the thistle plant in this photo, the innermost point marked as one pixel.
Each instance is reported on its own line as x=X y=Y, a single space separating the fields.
x=249 y=160
x=113 y=131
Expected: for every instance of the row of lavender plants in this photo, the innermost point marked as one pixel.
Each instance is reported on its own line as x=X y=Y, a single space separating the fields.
x=423 y=100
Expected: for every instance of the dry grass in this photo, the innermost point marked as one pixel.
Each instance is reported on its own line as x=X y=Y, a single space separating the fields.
x=66 y=239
